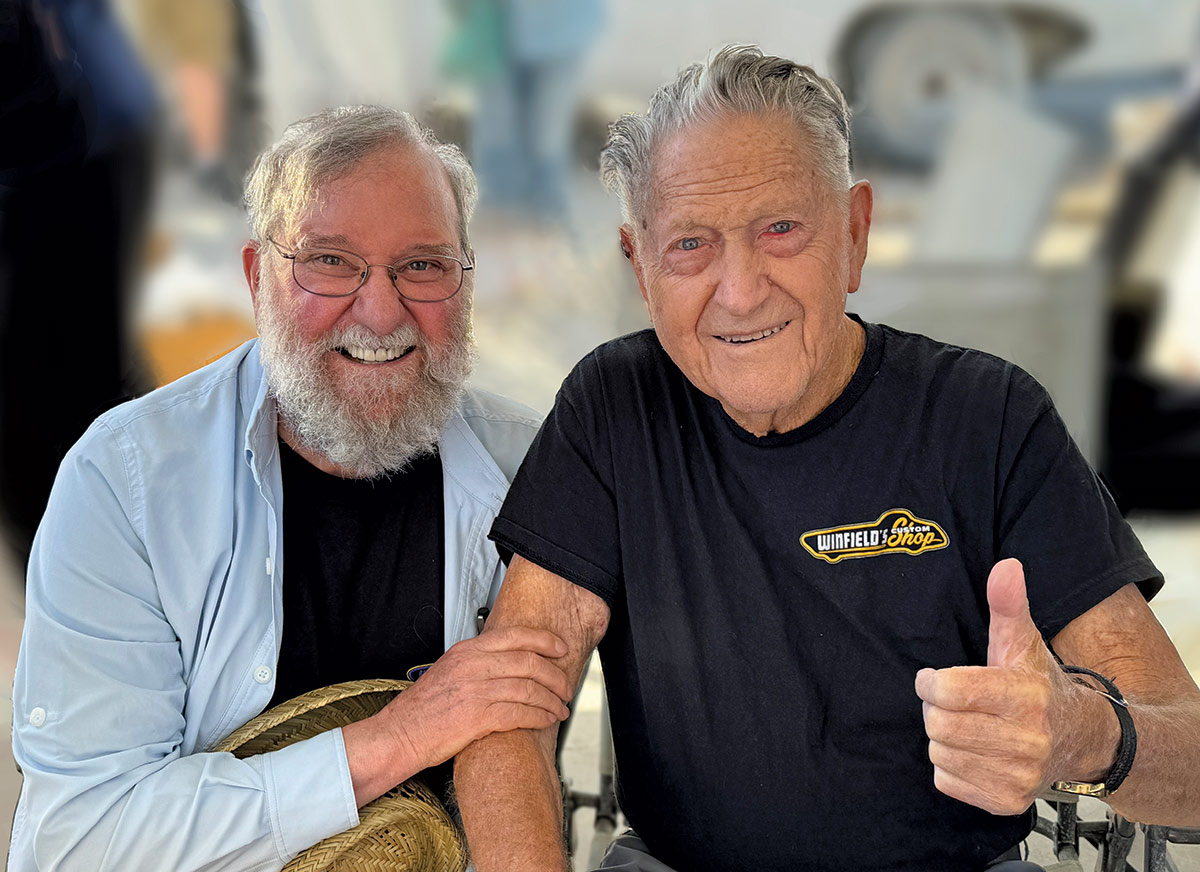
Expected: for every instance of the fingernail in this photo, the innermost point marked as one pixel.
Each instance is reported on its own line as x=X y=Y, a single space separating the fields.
x=560 y=647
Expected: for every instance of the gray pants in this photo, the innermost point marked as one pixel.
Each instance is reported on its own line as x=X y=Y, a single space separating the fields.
x=628 y=853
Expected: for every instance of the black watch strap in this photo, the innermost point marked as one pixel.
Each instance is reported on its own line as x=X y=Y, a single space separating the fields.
x=1128 y=748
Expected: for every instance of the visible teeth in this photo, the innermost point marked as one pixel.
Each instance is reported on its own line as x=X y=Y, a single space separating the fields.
x=751 y=337
x=374 y=355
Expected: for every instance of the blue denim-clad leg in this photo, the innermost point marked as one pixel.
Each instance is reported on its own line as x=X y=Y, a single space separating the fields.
x=522 y=134
x=1010 y=861
x=550 y=89
x=628 y=853
x=498 y=140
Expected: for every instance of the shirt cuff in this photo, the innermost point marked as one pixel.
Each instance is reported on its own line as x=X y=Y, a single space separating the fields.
x=309 y=792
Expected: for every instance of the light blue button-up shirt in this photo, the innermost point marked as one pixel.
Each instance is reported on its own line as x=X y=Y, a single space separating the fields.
x=153 y=623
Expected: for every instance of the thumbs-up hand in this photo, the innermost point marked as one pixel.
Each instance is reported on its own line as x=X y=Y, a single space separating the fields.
x=996 y=732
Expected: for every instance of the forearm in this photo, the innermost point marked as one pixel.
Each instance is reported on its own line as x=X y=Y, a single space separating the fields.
x=1121 y=639
x=509 y=796
x=203 y=811
x=507 y=786
x=1163 y=786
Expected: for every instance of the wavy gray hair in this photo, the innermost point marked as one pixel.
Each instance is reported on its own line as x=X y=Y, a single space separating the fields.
x=737 y=80
x=288 y=177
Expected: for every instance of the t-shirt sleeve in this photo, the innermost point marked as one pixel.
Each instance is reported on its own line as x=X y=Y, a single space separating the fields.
x=1055 y=515
x=560 y=512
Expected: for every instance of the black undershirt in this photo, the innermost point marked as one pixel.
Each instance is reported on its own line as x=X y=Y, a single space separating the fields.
x=363 y=593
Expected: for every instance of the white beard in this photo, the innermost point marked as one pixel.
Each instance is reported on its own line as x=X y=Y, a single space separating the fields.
x=380 y=424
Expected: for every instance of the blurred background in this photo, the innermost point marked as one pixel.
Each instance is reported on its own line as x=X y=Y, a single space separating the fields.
x=1035 y=168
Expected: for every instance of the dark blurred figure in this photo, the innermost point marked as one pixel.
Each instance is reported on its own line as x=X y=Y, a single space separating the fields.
x=525 y=58
x=78 y=112
x=1152 y=452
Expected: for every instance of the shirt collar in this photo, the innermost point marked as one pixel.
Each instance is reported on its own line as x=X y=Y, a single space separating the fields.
x=257 y=410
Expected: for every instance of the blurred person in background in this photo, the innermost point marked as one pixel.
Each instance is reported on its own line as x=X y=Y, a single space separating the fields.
x=76 y=172
x=159 y=617
x=1152 y=253
x=525 y=59
x=792 y=535
x=206 y=56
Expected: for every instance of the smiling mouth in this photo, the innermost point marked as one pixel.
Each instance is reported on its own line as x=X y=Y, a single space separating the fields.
x=744 y=338
x=359 y=354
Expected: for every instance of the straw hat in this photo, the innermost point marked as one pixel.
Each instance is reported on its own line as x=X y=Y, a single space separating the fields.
x=405 y=830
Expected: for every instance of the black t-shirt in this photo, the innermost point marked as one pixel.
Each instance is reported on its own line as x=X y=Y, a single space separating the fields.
x=773 y=598
x=363 y=589
x=363 y=574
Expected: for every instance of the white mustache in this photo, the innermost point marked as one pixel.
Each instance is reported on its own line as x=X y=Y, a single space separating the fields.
x=356 y=334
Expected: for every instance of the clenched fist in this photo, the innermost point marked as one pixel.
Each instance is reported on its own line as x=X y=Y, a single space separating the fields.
x=998 y=733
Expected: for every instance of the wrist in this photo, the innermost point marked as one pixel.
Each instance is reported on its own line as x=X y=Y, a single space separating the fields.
x=1097 y=737
x=405 y=750
x=1104 y=770
x=379 y=756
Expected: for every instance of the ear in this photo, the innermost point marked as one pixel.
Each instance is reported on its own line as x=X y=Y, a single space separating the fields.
x=861 y=201
x=252 y=266
x=630 y=250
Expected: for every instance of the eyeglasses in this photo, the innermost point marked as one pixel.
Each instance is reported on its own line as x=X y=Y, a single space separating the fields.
x=331 y=272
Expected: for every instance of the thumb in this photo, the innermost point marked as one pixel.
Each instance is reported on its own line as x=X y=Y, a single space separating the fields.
x=1011 y=631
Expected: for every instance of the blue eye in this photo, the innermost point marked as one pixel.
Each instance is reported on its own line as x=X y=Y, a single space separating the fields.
x=689 y=244
x=782 y=227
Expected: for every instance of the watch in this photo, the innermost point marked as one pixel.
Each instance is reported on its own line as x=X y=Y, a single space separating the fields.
x=1125 y=752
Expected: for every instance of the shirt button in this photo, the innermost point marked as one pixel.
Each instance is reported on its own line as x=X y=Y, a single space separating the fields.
x=262 y=674
x=37 y=717
x=268 y=566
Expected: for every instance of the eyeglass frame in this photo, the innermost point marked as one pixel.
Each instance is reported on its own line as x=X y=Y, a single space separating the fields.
x=466 y=266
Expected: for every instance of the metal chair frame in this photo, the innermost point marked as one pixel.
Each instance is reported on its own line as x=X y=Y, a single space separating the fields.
x=1112 y=837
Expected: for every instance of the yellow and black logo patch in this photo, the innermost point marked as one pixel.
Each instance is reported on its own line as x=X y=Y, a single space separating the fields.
x=898 y=531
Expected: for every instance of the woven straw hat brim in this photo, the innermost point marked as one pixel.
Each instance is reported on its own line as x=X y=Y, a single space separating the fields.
x=405 y=830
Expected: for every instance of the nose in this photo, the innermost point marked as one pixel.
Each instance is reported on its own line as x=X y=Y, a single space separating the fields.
x=378 y=306
x=742 y=284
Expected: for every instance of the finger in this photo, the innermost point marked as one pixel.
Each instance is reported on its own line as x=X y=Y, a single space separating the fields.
x=999 y=787
x=505 y=716
x=525 y=692
x=978 y=731
x=469 y=665
x=521 y=638
x=993 y=690
x=985 y=734
x=967 y=688
x=526 y=664
x=1011 y=631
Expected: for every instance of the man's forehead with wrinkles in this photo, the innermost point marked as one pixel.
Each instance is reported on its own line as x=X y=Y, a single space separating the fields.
x=756 y=174
x=303 y=228
x=343 y=242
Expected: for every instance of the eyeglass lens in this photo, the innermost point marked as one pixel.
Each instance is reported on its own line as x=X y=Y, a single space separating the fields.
x=337 y=273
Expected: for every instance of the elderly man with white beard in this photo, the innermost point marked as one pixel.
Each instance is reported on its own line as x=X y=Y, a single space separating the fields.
x=159 y=618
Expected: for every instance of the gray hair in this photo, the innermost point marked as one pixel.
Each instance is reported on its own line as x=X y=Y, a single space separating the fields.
x=288 y=177
x=737 y=80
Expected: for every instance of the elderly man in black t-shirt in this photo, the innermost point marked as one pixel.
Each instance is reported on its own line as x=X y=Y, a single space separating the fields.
x=776 y=519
